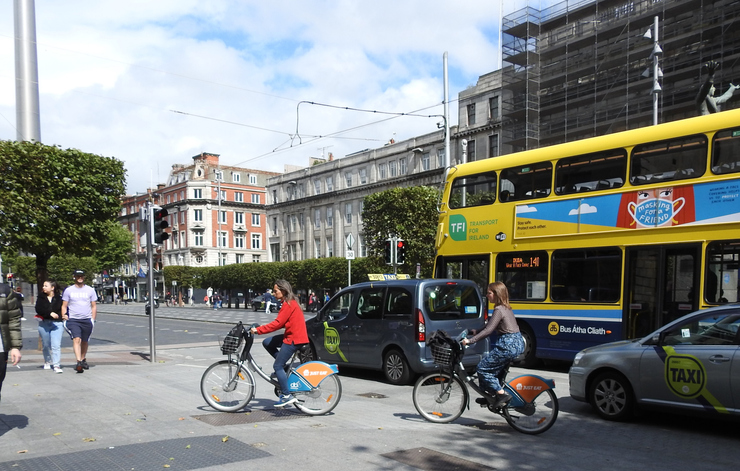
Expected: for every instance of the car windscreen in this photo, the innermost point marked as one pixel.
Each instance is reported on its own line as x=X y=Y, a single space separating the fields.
x=451 y=301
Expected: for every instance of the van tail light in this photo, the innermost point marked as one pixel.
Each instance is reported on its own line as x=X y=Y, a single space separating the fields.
x=421 y=327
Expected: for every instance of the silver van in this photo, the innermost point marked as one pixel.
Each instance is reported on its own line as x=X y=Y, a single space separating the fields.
x=383 y=325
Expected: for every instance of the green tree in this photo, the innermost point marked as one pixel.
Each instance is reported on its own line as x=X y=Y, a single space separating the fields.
x=116 y=249
x=409 y=213
x=56 y=201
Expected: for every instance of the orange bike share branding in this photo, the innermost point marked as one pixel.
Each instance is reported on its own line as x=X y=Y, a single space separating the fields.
x=529 y=387
x=314 y=372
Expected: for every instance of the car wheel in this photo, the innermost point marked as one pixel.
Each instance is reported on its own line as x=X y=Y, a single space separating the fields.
x=612 y=397
x=395 y=367
x=528 y=358
x=308 y=355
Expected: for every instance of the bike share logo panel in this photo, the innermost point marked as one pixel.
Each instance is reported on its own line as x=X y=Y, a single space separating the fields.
x=315 y=371
x=685 y=375
x=528 y=387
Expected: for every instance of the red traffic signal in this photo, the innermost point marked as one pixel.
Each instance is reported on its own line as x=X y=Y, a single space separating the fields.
x=159 y=224
x=400 y=251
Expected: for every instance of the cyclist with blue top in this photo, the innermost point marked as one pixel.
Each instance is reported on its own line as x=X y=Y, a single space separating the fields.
x=508 y=346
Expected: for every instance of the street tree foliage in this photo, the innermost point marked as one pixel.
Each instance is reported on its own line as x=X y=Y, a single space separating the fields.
x=56 y=201
x=59 y=268
x=115 y=249
x=409 y=213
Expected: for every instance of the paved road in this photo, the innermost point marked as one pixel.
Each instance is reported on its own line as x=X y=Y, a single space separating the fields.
x=127 y=413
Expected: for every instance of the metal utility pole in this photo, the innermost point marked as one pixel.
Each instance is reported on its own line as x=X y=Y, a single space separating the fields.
x=28 y=122
x=446 y=113
x=657 y=73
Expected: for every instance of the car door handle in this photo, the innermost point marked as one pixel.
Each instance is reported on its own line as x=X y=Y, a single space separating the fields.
x=719 y=359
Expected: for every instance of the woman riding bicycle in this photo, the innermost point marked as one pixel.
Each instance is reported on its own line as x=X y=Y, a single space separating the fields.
x=282 y=346
x=509 y=345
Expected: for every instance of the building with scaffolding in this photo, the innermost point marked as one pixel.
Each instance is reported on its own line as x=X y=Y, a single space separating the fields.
x=580 y=69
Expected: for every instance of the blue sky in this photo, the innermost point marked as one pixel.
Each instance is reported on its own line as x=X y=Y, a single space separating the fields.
x=154 y=83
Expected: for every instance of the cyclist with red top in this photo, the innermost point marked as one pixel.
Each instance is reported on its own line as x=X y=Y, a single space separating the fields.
x=282 y=346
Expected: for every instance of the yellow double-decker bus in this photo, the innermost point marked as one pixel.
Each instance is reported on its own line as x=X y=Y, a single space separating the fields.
x=602 y=239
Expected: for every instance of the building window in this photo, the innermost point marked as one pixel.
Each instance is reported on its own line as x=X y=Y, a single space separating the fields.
x=317 y=247
x=493 y=107
x=222 y=217
x=236 y=178
x=329 y=183
x=257 y=241
x=292 y=222
x=291 y=192
x=239 y=258
x=329 y=247
x=329 y=217
x=317 y=218
x=221 y=238
x=274 y=225
x=238 y=196
x=471 y=150
x=493 y=145
x=300 y=221
x=198 y=193
x=238 y=218
x=471 y=114
x=402 y=166
x=425 y=161
x=348 y=179
x=348 y=213
x=198 y=239
x=199 y=259
x=361 y=246
x=362 y=208
x=382 y=171
x=218 y=175
x=253 y=179
x=221 y=259
x=183 y=240
x=317 y=187
x=274 y=197
x=198 y=215
x=238 y=241
x=255 y=258
x=392 y=168
x=256 y=220
x=363 y=176
x=441 y=158
x=255 y=198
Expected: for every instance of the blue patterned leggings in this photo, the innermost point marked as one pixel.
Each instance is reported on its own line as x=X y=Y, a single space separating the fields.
x=507 y=347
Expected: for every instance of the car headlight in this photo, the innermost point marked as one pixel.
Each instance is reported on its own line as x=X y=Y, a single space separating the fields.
x=578 y=357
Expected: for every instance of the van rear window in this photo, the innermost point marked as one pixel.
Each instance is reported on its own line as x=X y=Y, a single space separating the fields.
x=451 y=302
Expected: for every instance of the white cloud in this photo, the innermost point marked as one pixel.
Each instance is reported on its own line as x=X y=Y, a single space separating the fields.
x=584 y=208
x=525 y=209
x=110 y=74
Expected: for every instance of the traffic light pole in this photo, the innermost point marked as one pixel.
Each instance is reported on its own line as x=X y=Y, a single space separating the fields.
x=150 y=280
x=395 y=252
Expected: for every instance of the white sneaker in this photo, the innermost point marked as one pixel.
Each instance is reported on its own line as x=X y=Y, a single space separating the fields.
x=58 y=369
x=47 y=366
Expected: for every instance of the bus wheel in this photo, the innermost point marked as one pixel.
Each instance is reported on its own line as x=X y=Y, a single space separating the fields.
x=527 y=359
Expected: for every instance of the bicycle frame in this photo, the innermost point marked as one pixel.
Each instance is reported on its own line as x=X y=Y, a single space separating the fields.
x=304 y=377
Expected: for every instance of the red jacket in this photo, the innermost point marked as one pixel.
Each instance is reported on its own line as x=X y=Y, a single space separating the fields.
x=291 y=317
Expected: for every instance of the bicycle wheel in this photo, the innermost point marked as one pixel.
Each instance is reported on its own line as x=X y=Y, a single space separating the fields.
x=322 y=399
x=226 y=386
x=439 y=398
x=536 y=417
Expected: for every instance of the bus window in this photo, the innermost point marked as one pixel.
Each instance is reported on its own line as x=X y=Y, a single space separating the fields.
x=596 y=171
x=674 y=159
x=526 y=182
x=473 y=190
x=586 y=275
x=721 y=276
x=726 y=151
x=524 y=273
x=467 y=268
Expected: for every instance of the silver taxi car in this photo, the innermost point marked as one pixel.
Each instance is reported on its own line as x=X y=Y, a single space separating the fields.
x=691 y=365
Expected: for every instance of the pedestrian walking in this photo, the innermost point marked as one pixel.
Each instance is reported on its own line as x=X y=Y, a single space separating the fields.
x=268 y=300
x=49 y=315
x=79 y=309
x=10 y=329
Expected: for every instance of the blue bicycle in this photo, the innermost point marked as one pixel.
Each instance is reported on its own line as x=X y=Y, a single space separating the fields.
x=442 y=396
x=228 y=385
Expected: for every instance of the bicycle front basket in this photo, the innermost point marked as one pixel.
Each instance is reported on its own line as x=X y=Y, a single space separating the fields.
x=442 y=354
x=231 y=343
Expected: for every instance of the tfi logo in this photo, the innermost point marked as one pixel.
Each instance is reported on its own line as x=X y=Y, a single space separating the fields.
x=458 y=227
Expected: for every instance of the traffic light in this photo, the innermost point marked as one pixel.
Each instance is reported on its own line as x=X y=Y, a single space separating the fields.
x=400 y=251
x=388 y=252
x=159 y=224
